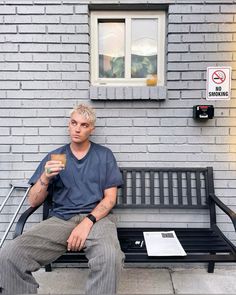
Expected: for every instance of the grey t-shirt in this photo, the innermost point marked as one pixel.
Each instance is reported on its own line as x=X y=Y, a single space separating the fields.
x=80 y=186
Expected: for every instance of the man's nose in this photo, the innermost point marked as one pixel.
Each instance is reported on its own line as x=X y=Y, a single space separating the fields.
x=77 y=129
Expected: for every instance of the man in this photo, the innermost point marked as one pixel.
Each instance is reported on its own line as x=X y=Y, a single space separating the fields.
x=83 y=191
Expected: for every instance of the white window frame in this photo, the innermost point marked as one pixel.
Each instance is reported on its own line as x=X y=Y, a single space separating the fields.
x=127 y=15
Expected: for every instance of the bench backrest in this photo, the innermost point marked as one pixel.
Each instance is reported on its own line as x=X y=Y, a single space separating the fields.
x=163 y=188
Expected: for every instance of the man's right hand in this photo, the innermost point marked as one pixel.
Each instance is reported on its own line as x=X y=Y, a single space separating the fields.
x=52 y=168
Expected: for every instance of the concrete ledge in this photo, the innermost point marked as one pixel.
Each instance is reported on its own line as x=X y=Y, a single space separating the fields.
x=143 y=281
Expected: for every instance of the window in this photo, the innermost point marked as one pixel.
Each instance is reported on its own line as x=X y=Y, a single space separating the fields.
x=127 y=48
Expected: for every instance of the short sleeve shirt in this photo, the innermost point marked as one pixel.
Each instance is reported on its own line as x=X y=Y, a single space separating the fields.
x=81 y=185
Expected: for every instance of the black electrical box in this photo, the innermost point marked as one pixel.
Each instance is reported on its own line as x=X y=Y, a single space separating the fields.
x=203 y=112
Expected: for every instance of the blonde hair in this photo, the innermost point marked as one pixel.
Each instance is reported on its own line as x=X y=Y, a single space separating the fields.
x=86 y=111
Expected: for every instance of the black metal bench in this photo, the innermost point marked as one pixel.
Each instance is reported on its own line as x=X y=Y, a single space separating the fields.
x=181 y=189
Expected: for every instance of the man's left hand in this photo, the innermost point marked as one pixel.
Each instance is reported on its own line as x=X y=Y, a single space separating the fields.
x=79 y=235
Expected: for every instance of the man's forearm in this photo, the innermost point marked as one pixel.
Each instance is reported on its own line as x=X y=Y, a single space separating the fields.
x=38 y=192
x=106 y=204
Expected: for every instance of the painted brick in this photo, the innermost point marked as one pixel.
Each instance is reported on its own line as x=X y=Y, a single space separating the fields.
x=32 y=67
x=27 y=29
x=69 y=29
x=59 y=9
x=177 y=28
x=203 y=47
x=17 y=19
x=81 y=9
x=60 y=48
x=82 y=29
x=74 y=19
x=35 y=122
x=24 y=131
x=227 y=28
x=180 y=9
x=30 y=9
x=219 y=37
x=24 y=149
x=219 y=18
x=228 y=8
x=8 y=67
x=198 y=18
x=10 y=85
x=178 y=48
x=201 y=28
x=75 y=57
x=118 y=121
x=63 y=67
x=205 y=9
x=45 y=19
x=8 y=10
x=174 y=38
x=39 y=57
x=5 y=29
x=33 y=47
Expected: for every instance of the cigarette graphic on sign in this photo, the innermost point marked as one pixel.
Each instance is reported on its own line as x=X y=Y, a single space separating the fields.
x=218 y=77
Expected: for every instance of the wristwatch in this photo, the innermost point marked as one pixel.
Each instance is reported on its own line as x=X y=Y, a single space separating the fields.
x=92 y=218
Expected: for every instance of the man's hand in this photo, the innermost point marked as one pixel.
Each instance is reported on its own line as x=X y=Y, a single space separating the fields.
x=52 y=168
x=79 y=235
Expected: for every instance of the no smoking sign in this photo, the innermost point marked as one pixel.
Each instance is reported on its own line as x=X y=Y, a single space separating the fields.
x=218 y=83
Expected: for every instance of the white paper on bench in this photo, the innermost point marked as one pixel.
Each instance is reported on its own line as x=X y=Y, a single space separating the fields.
x=163 y=243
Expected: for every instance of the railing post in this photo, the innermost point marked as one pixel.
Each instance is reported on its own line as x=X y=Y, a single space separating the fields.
x=15 y=215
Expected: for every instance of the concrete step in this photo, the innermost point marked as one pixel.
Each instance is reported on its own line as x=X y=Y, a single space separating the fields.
x=143 y=281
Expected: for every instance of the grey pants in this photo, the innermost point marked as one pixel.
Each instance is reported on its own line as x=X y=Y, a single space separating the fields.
x=46 y=241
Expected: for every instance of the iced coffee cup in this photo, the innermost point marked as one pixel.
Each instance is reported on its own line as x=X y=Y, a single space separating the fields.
x=59 y=157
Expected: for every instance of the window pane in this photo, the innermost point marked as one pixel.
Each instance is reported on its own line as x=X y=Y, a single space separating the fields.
x=111 y=49
x=143 y=47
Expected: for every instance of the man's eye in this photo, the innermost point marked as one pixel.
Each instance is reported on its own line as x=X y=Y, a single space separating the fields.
x=73 y=123
x=85 y=125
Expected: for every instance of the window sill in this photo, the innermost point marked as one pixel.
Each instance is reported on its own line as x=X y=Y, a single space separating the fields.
x=128 y=93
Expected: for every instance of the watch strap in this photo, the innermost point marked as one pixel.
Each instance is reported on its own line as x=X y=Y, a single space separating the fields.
x=92 y=218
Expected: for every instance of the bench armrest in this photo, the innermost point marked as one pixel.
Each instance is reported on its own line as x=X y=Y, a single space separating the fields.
x=22 y=220
x=226 y=209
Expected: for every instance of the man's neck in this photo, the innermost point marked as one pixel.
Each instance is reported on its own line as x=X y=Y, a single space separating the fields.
x=80 y=149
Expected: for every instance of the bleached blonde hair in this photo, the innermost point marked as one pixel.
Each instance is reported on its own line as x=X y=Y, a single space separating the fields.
x=86 y=111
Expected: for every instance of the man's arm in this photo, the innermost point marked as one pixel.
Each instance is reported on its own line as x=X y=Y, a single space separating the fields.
x=107 y=203
x=79 y=234
x=39 y=190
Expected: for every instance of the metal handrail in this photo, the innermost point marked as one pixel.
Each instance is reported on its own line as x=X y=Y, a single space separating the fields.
x=17 y=210
x=7 y=197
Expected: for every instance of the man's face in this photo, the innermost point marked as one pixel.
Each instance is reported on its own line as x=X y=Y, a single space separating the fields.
x=79 y=128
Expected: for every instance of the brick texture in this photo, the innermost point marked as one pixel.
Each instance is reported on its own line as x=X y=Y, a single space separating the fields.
x=44 y=71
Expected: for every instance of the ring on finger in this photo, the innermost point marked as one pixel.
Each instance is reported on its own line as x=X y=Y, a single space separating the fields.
x=48 y=170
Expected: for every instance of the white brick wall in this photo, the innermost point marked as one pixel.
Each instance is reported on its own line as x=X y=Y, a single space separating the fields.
x=44 y=71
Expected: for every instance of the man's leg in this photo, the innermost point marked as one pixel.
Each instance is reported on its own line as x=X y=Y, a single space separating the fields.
x=105 y=258
x=41 y=245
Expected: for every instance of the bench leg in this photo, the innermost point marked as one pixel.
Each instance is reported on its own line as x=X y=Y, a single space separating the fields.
x=48 y=268
x=211 y=267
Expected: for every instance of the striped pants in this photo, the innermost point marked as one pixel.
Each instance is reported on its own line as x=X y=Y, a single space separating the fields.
x=46 y=241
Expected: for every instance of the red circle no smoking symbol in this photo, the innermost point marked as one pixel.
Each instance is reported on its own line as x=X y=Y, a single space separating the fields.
x=218 y=77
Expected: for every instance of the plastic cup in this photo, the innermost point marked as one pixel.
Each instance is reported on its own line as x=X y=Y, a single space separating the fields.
x=59 y=157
